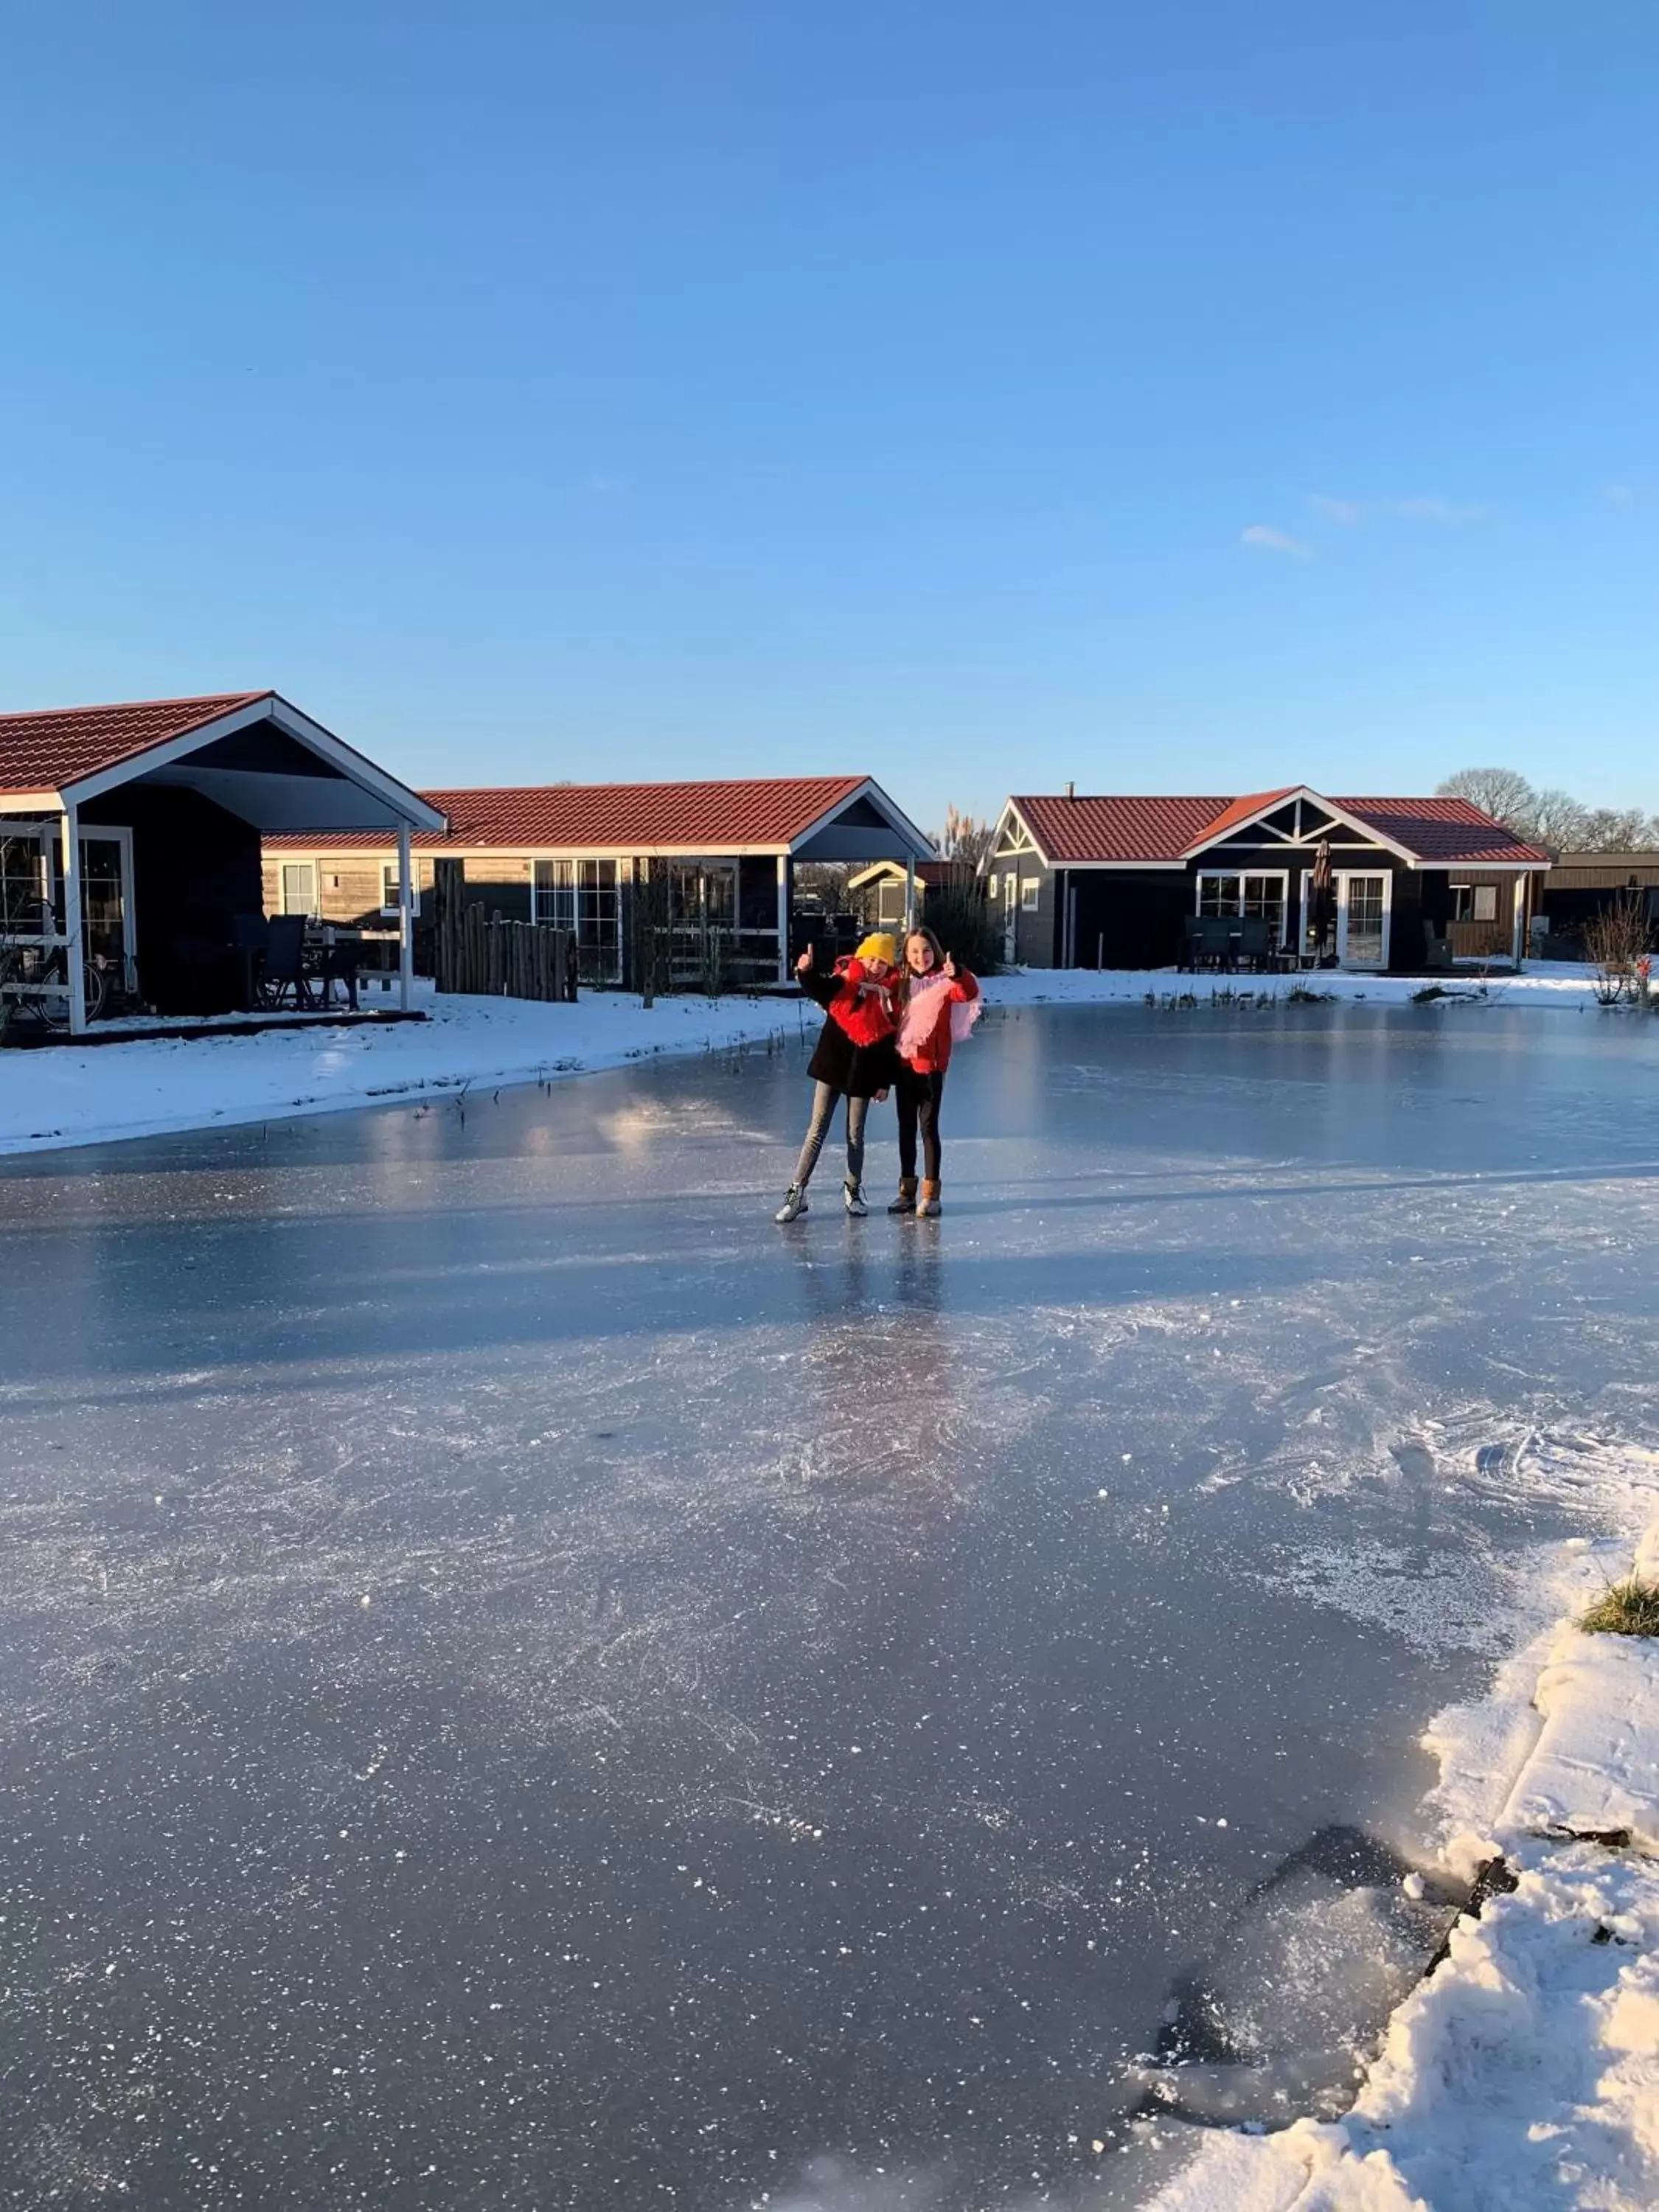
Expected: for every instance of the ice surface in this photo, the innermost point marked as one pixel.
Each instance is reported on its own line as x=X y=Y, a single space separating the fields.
x=551 y=1874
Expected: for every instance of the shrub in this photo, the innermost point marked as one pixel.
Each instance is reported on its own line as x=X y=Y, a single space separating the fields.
x=966 y=927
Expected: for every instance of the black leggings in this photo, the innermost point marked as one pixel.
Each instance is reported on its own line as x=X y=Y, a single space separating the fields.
x=919 y=1097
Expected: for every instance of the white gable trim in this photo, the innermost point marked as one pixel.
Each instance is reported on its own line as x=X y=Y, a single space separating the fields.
x=1030 y=848
x=344 y=759
x=919 y=844
x=1368 y=830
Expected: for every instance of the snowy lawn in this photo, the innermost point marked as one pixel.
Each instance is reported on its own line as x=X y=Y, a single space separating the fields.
x=63 y=1094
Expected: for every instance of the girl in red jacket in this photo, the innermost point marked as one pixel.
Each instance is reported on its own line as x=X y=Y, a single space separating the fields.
x=853 y=1059
x=940 y=1004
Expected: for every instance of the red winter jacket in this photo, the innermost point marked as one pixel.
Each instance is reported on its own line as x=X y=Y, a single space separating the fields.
x=932 y=1055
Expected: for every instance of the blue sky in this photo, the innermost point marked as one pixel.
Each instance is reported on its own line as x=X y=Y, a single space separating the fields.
x=1191 y=397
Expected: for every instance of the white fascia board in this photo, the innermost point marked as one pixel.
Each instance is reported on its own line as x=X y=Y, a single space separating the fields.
x=1484 y=867
x=32 y=802
x=922 y=845
x=1140 y=868
x=356 y=766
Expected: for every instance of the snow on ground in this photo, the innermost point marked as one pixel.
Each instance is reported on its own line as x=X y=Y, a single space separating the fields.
x=65 y=1095
x=1524 y=2073
x=1563 y=985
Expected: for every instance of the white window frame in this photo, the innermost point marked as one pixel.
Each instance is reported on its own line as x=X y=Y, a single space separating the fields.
x=389 y=903
x=314 y=911
x=1479 y=895
x=1339 y=883
x=991 y=886
x=1280 y=876
x=1031 y=895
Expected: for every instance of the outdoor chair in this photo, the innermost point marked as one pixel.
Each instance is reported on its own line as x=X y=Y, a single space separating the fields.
x=1437 y=951
x=1255 y=942
x=1192 y=941
x=250 y=937
x=340 y=964
x=1215 y=940
x=285 y=961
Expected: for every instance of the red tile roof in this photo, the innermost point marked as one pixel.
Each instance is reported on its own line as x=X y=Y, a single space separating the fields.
x=768 y=812
x=1257 y=802
x=1442 y=829
x=1075 y=830
x=1443 y=832
x=46 y=751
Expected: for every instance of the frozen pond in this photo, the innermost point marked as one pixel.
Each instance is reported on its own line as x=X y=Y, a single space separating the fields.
x=528 y=1686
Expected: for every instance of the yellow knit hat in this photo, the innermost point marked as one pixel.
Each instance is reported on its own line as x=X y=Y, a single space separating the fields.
x=880 y=944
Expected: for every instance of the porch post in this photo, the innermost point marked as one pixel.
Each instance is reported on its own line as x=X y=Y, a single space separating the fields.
x=405 y=920
x=783 y=917
x=72 y=957
x=909 y=892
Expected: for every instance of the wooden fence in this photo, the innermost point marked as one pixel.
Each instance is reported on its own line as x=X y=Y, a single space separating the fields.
x=481 y=953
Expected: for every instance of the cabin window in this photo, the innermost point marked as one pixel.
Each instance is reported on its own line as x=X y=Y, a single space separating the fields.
x=1255 y=897
x=581 y=895
x=1031 y=893
x=1474 y=901
x=991 y=887
x=300 y=887
x=390 y=900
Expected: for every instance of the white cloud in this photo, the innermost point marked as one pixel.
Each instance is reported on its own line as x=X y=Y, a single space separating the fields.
x=1275 y=541
x=1431 y=510
x=1348 y=512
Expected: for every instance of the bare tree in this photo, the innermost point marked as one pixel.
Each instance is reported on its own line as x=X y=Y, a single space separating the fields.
x=1557 y=822
x=1502 y=792
x=1615 y=830
x=965 y=838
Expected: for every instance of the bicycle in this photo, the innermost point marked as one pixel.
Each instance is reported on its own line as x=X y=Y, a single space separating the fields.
x=36 y=977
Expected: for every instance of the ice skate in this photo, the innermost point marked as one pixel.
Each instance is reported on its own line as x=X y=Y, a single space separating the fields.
x=793 y=1207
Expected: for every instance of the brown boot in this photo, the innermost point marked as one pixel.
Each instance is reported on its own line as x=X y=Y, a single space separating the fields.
x=929 y=1202
x=906 y=1201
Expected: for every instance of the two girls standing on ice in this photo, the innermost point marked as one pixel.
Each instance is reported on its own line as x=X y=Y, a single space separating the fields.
x=885 y=1027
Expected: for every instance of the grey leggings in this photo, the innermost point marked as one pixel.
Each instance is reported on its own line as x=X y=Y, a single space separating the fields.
x=825 y=1095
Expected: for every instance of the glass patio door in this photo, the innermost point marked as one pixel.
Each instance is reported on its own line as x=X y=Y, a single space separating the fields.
x=1362 y=919
x=106 y=903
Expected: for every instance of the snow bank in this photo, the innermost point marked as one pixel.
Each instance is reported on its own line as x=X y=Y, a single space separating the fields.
x=1561 y=985
x=1595 y=1770
x=69 y=1096
x=1525 y=2071
x=65 y=1095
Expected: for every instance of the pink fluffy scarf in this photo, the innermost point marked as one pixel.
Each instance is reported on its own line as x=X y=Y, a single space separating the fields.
x=923 y=1009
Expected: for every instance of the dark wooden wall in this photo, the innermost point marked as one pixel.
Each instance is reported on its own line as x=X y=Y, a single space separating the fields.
x=195 y=868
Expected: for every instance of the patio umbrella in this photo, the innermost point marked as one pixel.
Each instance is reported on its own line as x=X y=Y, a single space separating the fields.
x=1319 y=899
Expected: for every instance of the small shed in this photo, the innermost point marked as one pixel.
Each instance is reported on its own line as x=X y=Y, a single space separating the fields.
x=887 y=896
x=130 y=834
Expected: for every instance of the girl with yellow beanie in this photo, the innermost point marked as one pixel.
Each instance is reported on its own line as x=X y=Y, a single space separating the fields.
x=853 y=1059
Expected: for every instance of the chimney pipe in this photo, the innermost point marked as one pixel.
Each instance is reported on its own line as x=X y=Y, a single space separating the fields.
x=1071 y=791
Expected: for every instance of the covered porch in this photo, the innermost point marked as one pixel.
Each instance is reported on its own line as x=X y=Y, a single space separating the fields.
x=129 y=850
